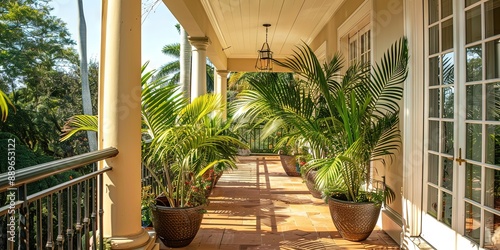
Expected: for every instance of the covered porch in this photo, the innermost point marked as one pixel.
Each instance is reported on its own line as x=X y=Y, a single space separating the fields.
x=231 y=44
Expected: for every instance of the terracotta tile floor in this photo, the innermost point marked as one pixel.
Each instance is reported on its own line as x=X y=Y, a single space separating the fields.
x=258 y=206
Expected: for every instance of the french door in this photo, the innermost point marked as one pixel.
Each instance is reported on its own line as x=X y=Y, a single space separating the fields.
x=462 y=126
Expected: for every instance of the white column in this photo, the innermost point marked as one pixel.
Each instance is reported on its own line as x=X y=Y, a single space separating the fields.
x=185 y=64
x=120 y=123
x=221 y=88
x=199 y=69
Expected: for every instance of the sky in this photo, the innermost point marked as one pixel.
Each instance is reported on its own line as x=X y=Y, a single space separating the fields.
x=158 y=28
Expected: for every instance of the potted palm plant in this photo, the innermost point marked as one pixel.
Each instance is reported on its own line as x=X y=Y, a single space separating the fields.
x=349 y=118
x=181 y=141
x=186 y=140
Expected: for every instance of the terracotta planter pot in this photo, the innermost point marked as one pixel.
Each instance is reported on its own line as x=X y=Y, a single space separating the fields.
x=354 y=221
x=177 y=227
x=311 y=183
x=290 y=165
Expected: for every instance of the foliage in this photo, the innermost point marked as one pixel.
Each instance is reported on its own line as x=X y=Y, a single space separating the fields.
x=39 y=72
x=32 y=43
x=25 y=157
x=263 y=96
x=78 y=123
x=183 y=140
x=347 y=120
x=187 y=140
x=284 y=105
x=4 y=106
x=147 y=200
x=40 y=114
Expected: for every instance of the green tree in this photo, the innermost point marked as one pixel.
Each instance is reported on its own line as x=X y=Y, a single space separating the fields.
x=32 y=43
x=40 y=115
x=39 y=70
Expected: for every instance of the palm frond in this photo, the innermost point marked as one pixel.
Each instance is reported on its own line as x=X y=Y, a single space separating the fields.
x=4 y=105
x=388 y=76
x=159 y=105
x=172 y=50
x=78 y=123
x=170 y=69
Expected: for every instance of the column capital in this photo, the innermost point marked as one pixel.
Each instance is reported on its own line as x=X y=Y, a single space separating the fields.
x=200 y=43
x=222 y=73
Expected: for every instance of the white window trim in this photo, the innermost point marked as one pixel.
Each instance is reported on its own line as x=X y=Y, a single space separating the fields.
x=357 y=21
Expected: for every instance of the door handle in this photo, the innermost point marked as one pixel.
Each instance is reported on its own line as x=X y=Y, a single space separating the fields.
x=460 y=160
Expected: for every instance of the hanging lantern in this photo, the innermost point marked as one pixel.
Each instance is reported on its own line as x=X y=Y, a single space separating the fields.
x=265 y=56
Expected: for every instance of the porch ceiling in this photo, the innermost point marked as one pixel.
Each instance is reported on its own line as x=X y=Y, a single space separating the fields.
x=235 y=29
x=238 y=23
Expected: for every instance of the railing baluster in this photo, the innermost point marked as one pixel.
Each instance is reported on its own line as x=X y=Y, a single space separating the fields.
x=78 y=226
x=101 y=212
x=86 y=219
x=10 y=243
x=39 y=226
x=69 y=229
x=60 y=236
x=49 y=244
x=94 y=214
x=23 y=218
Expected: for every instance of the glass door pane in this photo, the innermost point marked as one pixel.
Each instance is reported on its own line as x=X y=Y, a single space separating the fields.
x=463 y=120
x=481 y=125
x=441 y=88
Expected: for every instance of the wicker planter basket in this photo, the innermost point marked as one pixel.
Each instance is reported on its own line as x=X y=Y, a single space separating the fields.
x=177 y=227
x=289 y=164
x=354 y=221
x=311 y=184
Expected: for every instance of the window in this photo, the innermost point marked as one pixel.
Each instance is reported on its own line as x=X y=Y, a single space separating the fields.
x=360 y=46
x=355 y=35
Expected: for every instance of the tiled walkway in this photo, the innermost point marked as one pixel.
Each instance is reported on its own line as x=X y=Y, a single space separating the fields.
x=258 y=206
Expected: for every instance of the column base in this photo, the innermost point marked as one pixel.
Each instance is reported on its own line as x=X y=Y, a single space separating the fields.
x=145 y=240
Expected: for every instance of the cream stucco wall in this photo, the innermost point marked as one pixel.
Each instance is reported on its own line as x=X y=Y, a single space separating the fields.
x=388 y=27
x=329 y=32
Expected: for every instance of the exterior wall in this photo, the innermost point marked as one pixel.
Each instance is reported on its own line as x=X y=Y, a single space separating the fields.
x=387 y=27
x=387 y=24
x=329 y=32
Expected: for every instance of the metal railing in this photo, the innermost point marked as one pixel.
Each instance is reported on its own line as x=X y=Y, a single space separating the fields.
x=64 y=215
x=258 y=144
